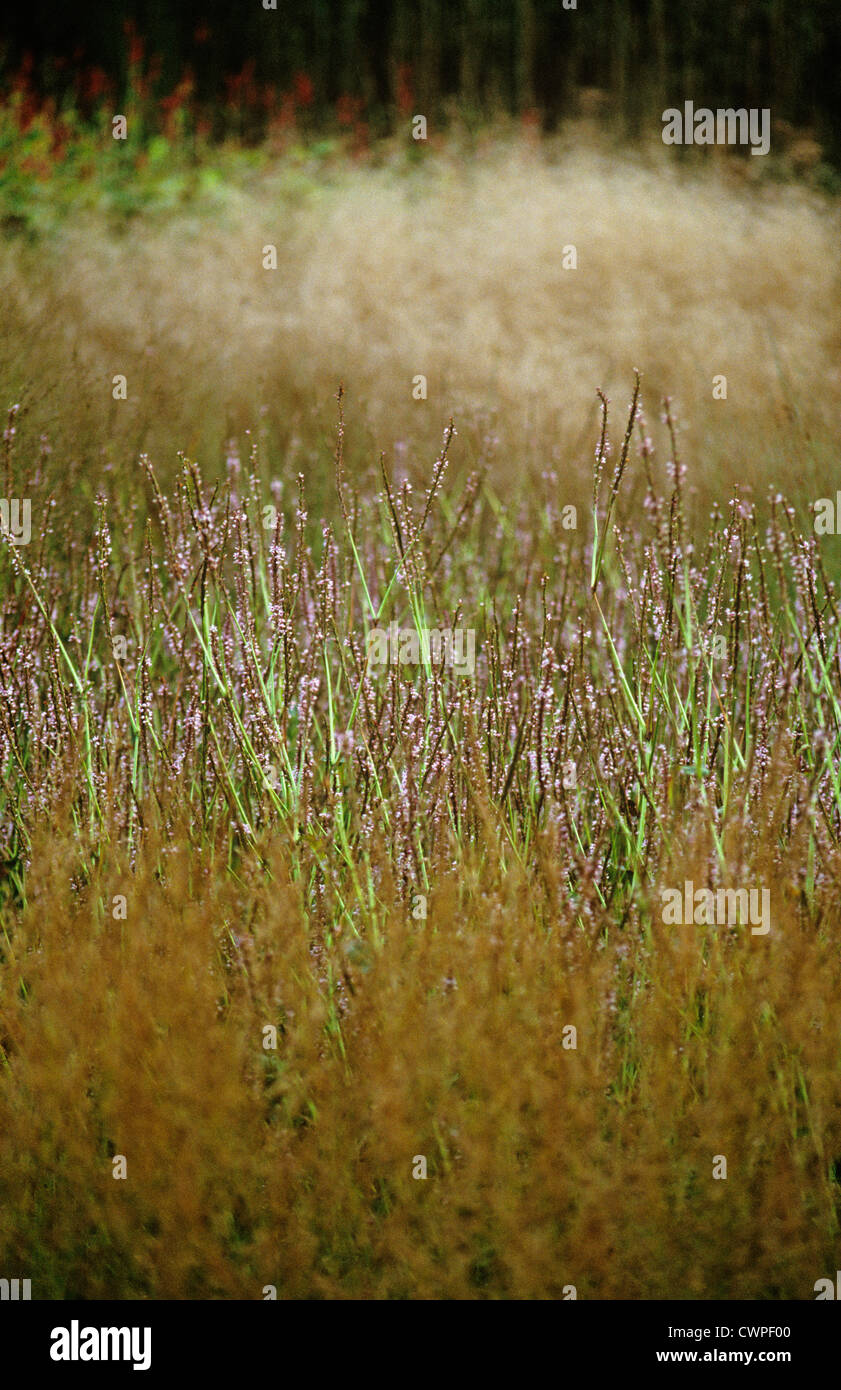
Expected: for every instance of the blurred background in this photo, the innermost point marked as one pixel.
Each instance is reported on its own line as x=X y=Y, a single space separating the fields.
x=634 y=56
x=445 y=258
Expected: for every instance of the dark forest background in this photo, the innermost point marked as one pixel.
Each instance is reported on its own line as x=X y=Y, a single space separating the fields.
x=493 y=55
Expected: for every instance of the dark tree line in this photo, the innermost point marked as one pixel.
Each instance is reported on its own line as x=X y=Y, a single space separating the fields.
x=491 y=54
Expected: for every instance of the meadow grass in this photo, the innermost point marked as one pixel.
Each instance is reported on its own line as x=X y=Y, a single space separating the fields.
x=225 y=826
x=448 y=266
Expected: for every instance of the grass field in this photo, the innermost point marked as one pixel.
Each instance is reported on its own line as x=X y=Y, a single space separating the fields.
x=331 y=967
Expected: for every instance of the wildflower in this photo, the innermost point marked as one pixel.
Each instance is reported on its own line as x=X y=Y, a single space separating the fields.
x=303 y=89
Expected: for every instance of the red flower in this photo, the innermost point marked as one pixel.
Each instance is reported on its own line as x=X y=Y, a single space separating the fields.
x=303 y=89
x=346 y=109
x=404 y=89
x=60 y=140
x=286 y=116
x=97 y=82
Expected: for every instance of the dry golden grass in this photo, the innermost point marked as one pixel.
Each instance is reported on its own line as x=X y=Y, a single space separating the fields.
x=548 y=1166
x=452 y=270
